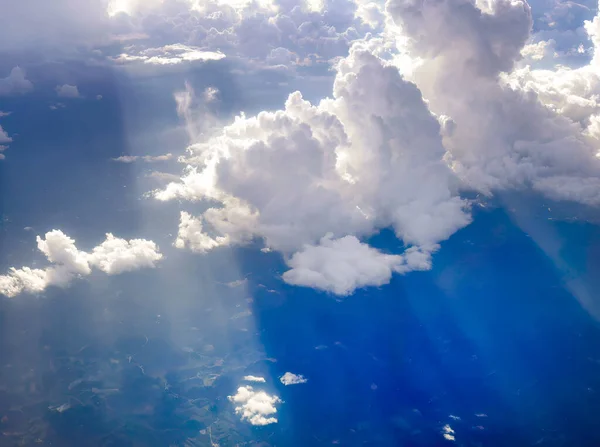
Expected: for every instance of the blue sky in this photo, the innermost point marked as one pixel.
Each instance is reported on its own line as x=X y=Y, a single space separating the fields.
x=397 y=201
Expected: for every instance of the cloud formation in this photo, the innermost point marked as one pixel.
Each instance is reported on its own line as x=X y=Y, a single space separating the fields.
x=170 y=55
x=145 y=158
x=15 y=83
x=503 y=136
x=67 y=91
x=255 y=407
x=343 y=167
x=4 y=140
x=113 y=256
x=254 y=379
x=343 y=265
x=292 y=379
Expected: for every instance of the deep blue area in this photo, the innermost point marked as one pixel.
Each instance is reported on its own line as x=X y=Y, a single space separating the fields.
x=490 y=330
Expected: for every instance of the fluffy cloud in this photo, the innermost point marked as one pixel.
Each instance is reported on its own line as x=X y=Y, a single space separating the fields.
x=255 y=407
x=169 y=32
x=504 y=137
x=4 y=138
x=340 y=266
x=254 y=379
x=113 y=256
x=391 y=151
x=67 y=91
x=347 y=166
x=15 y=83
x=292 y=379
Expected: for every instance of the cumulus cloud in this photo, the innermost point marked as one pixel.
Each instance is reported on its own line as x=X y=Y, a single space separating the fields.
x=67 y=262
x=255 y=407
x=504 y=136
x=292 y=379
x=67 y=91
x=343 y=265
x=145 y=158
x=4 y=138
x=344 y=167
x=191 y=235
x=254 y=379
x=173 y=32
x=15 y=83
x=115 y=255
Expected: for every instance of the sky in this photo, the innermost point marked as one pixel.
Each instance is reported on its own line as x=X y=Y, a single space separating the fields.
x=269 y=157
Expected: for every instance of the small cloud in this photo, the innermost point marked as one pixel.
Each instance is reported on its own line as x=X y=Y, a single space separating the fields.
x=67 y=91
x=98 y=97
x=448 y=433
x=254 y=379
x=56 y=106
x=4 y=138
x=15 y=83
x=292 y=379
x=255 y=407
x=146 y=158
x=211 y=94
x=341 y=266
x=3 y=114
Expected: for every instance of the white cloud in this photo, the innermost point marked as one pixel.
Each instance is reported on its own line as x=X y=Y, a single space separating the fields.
x=171 y=55
x=113 y=256
x=448 y=433
x=344 y=166
x=4 y=138
x=116 y=255
x=3 y=114
x=292 y=379
x=67 y=91
x=191 y=235
x=343 y=265
x=254 y=379
x=145 y=158
x=255 y=407
x=539 y=50
x=504 y=137
x=15 y=83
